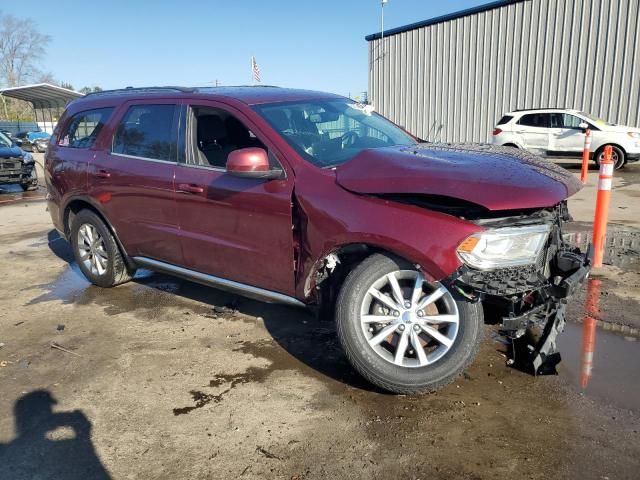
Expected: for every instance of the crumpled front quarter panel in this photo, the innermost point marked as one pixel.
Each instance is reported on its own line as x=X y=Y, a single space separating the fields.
x=334 y=217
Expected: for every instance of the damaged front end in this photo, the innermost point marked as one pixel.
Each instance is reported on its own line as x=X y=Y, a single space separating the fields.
x=530 y=298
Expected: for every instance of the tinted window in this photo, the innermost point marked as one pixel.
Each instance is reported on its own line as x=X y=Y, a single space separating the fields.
x=504 y=120
x=540 y=120
x=147 y=131
x=84 y=127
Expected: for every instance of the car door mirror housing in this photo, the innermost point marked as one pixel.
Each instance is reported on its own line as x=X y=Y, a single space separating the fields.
x=584 y=125
x=251 y=162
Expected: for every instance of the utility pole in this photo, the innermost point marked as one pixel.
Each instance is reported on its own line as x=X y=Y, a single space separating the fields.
x=382 y=2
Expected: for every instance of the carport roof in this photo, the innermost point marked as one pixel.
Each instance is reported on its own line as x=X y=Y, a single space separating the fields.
x=42 y=95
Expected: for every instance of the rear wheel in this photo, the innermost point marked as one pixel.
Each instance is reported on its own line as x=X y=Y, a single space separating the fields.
x=401 y=332
x=617 y=155
x=96 y=251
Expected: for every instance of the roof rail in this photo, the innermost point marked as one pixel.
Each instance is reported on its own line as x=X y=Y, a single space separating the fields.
x=141 y=90
x=543 y=108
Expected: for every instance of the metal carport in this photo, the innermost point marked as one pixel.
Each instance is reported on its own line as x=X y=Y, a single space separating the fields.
x=48 y=100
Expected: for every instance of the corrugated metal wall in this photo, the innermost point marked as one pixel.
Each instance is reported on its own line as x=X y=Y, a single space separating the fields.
x=465 y=73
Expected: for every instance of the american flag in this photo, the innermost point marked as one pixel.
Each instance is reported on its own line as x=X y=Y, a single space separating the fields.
x=255 y=69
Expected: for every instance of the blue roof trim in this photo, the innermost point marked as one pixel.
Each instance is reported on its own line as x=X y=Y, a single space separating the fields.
x=444 y=18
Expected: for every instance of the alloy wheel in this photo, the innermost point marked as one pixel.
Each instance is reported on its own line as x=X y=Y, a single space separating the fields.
x=91 y=248
x=408 y=321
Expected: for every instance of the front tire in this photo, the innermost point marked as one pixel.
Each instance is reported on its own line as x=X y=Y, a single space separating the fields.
x=617 y=156
x=96 y=251
x=402 y=333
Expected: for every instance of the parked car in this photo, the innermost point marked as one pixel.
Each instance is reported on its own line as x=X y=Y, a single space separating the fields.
x=16 y=166
x=33 y=141
x=559 y=132
x=311 y=199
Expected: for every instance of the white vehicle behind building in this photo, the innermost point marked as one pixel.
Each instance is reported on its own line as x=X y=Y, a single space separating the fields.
x=560 y=132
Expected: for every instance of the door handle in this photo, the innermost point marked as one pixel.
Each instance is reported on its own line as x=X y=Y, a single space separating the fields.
x=102 y=174
x=189 y=188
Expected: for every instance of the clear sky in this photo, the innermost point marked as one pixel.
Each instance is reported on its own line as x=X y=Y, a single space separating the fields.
x=297 y=43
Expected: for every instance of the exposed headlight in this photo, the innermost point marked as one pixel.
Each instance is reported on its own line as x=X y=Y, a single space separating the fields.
x=503 y=247
x=27 y=159
x=634 y=134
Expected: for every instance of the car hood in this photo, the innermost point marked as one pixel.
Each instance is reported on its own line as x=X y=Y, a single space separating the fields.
x=11 y=152
x=497 y=178
x=617 y=128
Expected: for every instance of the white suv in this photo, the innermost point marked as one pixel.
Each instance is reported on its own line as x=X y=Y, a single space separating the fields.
x=558 y=132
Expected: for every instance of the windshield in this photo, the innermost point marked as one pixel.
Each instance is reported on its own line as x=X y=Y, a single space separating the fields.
x=330 y=132
x=5 y=141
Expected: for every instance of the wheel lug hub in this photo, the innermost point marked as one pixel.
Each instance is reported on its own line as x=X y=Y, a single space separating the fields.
x=420 y=313
x=407 y=304
x=401 y=328
x=396 y=313
x=416 y=328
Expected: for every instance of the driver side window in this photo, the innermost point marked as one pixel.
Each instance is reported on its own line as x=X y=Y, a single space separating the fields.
x=214 y=134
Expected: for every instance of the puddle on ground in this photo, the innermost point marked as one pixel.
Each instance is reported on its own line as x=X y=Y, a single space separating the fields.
x=13 y=193
x=599 y=356
x=615 y=373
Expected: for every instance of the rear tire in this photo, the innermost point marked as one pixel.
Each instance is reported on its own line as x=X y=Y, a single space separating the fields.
x=96 y=251
x=618 y=157
x=442 y=336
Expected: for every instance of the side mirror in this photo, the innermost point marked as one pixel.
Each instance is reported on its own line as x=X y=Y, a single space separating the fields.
x=584 y=125
x=251 y=163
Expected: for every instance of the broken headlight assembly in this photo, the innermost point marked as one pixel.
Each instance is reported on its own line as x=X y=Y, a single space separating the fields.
x=504 y=247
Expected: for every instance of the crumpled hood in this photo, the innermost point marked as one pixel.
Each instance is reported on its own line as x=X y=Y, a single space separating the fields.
x=497 y=178
x=11 y=152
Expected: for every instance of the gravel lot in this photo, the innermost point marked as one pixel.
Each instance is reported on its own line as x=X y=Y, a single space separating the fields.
x=162 y=378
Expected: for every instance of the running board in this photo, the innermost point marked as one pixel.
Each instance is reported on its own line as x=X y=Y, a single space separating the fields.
x=217 y=282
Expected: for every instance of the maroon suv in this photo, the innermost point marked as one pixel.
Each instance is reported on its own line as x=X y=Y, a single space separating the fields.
x=312 y=199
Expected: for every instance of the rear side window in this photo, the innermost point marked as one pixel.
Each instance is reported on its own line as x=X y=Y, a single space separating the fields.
x=504 y=120
x=540 y=120
x=84 y=127
x=147 y=131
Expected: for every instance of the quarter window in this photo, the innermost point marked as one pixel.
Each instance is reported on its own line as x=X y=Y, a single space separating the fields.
x=84 y=127
x=147 y=131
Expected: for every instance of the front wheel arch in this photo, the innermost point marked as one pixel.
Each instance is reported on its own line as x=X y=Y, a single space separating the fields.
x=600 y=150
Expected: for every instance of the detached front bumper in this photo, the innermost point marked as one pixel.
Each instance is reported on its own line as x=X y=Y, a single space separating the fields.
x=530 y=297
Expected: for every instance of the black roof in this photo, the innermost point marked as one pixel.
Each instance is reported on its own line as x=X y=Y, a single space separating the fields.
x=443 y=18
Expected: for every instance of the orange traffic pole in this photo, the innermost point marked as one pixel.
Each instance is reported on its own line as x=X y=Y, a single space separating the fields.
x=602 y=206
x=589 y=331
x=585 y=156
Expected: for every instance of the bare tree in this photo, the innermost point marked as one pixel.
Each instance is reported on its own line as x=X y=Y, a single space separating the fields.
x=21 y=48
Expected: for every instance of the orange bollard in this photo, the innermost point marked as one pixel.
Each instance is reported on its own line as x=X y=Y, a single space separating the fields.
x=585 y=156
x=589 y=331
x=602 y=206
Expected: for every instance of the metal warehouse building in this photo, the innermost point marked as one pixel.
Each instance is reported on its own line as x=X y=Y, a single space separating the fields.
x=452 y=77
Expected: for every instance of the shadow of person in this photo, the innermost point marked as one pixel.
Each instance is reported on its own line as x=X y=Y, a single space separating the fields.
x=49 y=444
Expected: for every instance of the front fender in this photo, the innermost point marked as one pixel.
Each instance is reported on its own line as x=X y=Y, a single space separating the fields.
x=331 y=217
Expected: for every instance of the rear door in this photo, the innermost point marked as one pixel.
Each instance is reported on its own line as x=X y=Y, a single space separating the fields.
x=566 y=135
x=132 y=178
x=235 y=228
x=533 y=131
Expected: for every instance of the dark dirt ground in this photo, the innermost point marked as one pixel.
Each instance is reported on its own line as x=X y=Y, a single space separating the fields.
x=162 y=378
